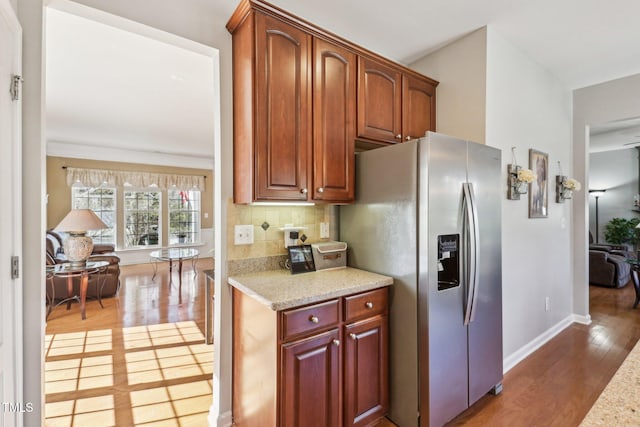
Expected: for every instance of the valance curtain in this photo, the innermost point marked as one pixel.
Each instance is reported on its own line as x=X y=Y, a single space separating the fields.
x=112 y=178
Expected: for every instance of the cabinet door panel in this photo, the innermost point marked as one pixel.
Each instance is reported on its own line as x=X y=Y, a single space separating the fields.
x=334 y=122
x=311 y=382
x=283 y=130
x=379 y=101
x=366 y=371
x=419 y=107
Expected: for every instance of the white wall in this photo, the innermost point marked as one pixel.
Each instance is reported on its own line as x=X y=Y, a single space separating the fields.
x=527 y=107
x=516 y=103
x=615 y=100
x=197 y=20
x=460 y=97
x=617 y=172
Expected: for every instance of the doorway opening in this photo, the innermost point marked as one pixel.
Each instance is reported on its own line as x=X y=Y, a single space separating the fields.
x=126 y=99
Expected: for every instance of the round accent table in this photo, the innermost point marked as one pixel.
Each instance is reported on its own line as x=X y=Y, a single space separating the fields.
x=70 y=272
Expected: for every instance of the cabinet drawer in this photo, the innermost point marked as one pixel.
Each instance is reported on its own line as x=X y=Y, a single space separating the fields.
x=365 y=305
x=309 y=319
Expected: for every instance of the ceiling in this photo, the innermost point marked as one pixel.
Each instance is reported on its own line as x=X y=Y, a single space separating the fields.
x=114 y=88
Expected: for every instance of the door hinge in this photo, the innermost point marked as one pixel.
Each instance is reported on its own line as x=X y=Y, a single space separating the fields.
x=16 y=82
x=15 y=267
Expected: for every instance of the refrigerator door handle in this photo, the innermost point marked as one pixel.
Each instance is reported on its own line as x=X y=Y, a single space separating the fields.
x=472 y=251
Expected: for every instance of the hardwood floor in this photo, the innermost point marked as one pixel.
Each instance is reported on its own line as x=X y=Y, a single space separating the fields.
x=555 y=386
x=560 y=382
x=139 y=361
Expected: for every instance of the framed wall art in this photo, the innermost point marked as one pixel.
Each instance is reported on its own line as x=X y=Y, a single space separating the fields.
x=539 y=188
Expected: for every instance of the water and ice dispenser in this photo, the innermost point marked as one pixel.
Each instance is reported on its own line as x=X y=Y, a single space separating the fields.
x=448 y=261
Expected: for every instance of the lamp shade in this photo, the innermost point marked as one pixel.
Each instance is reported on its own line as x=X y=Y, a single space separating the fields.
x=597 y=193
x=80 y=220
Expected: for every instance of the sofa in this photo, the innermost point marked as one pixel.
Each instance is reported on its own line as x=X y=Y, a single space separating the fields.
x=608 y=269
x=101 y=252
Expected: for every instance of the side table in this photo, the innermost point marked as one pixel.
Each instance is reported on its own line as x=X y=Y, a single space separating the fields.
x=635 y=269
x=70 y=271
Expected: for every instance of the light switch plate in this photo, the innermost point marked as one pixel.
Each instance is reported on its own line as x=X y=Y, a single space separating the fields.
x=324 y=230
x=243 y=234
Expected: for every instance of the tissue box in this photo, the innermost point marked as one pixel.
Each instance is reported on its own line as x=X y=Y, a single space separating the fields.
x=329 y=255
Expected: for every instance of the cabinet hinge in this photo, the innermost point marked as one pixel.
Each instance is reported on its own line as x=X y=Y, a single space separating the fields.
x=16 y=83
x=15 y=267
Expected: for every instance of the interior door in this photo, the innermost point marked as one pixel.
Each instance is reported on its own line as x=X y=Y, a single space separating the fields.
x=10 y=222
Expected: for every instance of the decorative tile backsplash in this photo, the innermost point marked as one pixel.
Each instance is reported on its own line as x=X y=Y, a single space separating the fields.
x=269 y=241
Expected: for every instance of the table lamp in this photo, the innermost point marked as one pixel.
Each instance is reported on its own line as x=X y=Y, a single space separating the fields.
x=78 y=246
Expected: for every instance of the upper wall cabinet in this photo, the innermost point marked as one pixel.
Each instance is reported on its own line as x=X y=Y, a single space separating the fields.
x=393 y=106
x=301 y=97
x=334 y=128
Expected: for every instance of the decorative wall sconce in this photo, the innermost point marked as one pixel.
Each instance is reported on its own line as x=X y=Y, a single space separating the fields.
x=518 y=179
x=565 y=186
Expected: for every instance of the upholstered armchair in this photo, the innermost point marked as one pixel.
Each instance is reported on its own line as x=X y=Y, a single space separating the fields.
x=608 y=269
x=101 y=252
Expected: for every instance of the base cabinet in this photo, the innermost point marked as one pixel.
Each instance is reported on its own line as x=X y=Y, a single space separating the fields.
x=366 y=371
x=311 y=381
x=321 y=365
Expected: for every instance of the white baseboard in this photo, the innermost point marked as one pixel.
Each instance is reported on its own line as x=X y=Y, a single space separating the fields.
x=223 y=420
x=509 y=362
x=584 y=320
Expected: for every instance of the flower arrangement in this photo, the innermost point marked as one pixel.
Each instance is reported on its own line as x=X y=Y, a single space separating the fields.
x=571 y=184
x=526 y=175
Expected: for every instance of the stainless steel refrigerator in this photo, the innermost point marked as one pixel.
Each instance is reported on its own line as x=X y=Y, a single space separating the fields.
x=428 y=213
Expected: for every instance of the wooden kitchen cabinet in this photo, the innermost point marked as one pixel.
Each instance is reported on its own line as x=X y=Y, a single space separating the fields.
x=301 y=98
x=272 y=110
x=393 y=105
x=294 y=114
x=324 y=364
x=311 y=381
x=334 y=127
x=379 y=101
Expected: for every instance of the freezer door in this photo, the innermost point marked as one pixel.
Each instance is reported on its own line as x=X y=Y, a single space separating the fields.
x=485 y=332
x=443 y=335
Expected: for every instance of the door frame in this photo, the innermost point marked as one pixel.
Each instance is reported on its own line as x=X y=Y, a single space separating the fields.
x=15 y=241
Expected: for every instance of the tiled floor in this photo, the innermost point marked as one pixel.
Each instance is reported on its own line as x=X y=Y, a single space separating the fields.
x=161 y=372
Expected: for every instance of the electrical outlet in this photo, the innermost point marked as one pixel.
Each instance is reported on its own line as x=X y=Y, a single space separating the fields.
x=324 y=230
x=243 y=234
x=546 y=304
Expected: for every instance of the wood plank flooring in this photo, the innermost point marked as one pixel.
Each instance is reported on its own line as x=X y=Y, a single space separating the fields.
x=555 y=386
x=139 y=361
x=560 y=382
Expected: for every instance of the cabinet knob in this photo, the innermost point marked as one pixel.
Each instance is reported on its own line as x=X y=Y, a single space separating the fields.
x=408 y=138
x=398 y=136
x=314 y=319
x=353 y=336
x=304 y=190
x=368 y=304
x=336 y=342
x=321 y=190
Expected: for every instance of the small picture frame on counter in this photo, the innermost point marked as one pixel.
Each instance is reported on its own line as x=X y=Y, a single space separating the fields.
x=301 y=258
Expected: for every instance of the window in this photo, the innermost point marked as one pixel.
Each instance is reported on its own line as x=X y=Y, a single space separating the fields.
x=142 y=218
x=103 y=202
x=184 y=216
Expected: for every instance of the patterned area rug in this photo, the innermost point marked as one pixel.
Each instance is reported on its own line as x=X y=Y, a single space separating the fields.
x=156 y=375
x=619 y=402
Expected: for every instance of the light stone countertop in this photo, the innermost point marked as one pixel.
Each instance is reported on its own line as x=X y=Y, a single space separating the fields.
x=619 y=403
x=280 y=290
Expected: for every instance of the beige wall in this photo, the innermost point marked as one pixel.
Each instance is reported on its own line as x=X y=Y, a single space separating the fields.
x=461 y=69
x=59 y=201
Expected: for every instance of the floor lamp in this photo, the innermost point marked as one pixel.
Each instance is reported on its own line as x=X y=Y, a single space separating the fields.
x=597 y=194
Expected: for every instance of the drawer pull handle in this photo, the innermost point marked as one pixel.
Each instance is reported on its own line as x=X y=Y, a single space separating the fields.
x=336 y=342
x=353 y=336
x=314 y=319
x=368 y=304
